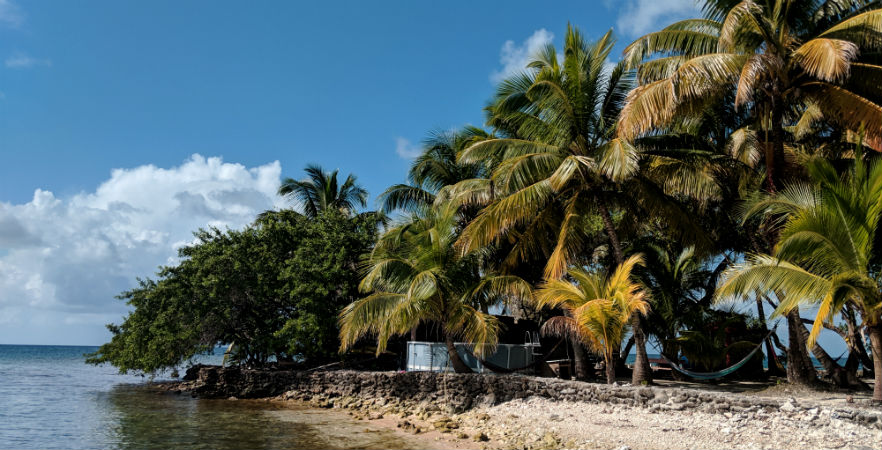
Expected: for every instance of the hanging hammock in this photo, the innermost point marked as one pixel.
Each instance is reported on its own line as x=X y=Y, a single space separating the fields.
x=720 y=373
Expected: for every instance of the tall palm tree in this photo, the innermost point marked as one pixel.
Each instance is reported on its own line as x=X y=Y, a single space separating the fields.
x=597 y=308
x=827 y=254
x=562 y=175
x=787 y=63
x=321 y=191
x=414 y=275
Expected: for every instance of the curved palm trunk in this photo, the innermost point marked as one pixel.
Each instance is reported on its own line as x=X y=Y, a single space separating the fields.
x=839 y=375
x=459 y=366
x=876 y=345
x=642 y=372
x=800 y=369
x=856 y=342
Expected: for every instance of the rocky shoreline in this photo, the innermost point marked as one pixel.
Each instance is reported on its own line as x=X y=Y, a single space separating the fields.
x=528 y=412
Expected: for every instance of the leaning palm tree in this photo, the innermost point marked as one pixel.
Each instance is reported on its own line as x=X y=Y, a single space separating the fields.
x=597 y=308
x=828 y=255
x=320 y=191
x=414 y=275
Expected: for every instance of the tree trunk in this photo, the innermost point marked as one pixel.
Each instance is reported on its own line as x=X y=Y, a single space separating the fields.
x=775 y=152
x=800 y=369
x=837 y=374
x=876 y=346
x=580 y=361
x=642 y=373
x=610 y=367
x=856 y=342
x=770 y=351
x=614 y=243
x=459 y=366
x=623 y=356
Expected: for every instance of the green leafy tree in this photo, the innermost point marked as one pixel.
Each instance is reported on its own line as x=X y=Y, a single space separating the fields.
x=272 y=290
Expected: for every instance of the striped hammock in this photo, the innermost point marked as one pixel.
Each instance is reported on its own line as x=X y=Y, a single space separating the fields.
x=717 y=374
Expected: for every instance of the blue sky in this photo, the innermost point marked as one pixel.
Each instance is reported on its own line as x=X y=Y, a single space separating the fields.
x=89 y=86
x=124 y=126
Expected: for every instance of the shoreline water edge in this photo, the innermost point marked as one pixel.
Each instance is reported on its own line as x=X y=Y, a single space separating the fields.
x=489 y=412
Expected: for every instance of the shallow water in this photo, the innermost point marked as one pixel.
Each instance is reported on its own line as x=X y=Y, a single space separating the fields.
x=50 y=399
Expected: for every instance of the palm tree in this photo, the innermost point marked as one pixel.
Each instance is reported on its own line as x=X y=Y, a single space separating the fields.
x=789 y=64
x=827 y=254
x=597 y=308
x=785 y=60
x=562 y=175
x=676 y=282
x=434 y=170
x=320 y=191
x=414 y=275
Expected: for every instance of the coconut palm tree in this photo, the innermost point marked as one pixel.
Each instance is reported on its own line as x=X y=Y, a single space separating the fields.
x=433 y=170
x=787 y=61
x=414 y=275
x=563 y=177
x=828 y=252
x=676 y=282
x=321 y=191
x=597 y=308
x=789 y=64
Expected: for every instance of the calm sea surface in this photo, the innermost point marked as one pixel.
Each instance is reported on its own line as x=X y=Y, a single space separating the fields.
x=49 y=398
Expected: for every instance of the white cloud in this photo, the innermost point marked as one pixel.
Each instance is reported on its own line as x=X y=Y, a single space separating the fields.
x=638 y=17
x=23 y=61
x=62 y=261
x=514 y=58
x=406 y=149
x=10 y=14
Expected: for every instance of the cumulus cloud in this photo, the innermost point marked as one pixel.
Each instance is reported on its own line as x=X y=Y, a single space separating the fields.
x=406 y=149
x=638 y=17
x=514 y=57
x=10 y=14
x=62 y=260
x=23 y=61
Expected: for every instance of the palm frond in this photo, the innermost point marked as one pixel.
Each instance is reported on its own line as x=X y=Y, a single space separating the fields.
x=827 y=59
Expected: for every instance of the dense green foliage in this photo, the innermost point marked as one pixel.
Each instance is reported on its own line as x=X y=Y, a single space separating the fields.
x=271 y=290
